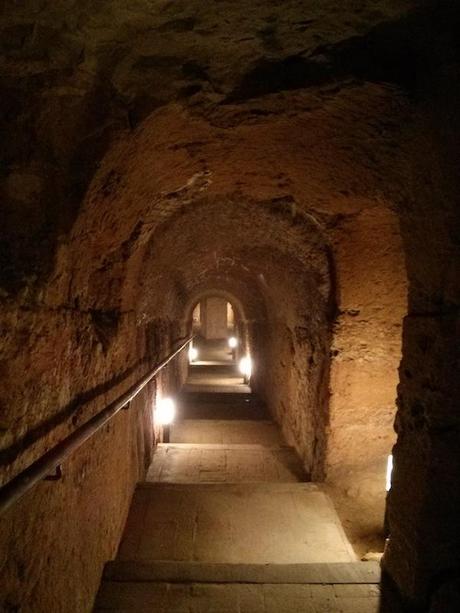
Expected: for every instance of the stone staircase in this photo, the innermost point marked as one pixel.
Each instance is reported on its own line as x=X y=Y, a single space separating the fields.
x=227 y=523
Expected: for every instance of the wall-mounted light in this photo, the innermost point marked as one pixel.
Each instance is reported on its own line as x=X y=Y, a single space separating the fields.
x=165 y=411
x=192 y=354
x=245 y=366
x=389 y=472
x=233 y=342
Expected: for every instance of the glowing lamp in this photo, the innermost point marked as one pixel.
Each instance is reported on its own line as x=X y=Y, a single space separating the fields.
x=165 y=411
x=245 y=366
x=389 y=472
x=192 y=354
x=232 y=342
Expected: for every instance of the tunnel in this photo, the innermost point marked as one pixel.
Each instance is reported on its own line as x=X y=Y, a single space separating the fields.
x=229 y=306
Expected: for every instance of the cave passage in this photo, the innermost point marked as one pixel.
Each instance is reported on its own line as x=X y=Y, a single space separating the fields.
x=269 y=431
x=284 y=174
x=289 y=430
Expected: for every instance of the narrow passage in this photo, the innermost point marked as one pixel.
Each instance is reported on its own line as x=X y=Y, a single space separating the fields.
x=226 y=522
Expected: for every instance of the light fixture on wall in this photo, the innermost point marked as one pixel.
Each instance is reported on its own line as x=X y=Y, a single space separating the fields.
x=165 y=411
x=389 y=472
x=233 y=342
x=192 y=354
x=245 y=366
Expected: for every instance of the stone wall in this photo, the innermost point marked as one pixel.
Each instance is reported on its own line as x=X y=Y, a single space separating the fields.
x=57 y=538
x=294 y=362
x=214 y=322
x=366 y=349
x=62 y=366
x=422 y=558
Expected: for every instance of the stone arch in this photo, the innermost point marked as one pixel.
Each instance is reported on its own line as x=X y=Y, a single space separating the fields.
x=210 y=293
x=137 y=245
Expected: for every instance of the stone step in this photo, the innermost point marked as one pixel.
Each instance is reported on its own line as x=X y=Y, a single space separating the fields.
x=228 y=463
x=165 y=597
x=215 y=378
x=202 y=405
x=234 y=523
x=199 y=572
x=226 y=431
x=225 y=446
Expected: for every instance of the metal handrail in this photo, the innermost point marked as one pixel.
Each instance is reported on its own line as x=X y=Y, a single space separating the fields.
x=52 y=459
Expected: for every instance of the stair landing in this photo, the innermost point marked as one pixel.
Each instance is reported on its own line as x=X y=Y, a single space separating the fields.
x=257 y=523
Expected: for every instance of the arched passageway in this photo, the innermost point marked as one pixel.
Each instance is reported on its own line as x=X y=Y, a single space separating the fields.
x=320 y=296
x=314 y=188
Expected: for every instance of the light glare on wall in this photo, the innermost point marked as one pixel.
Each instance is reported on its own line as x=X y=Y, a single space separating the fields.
x=246 y=367
x=165 y=411
x=192 y=353
x=232 y=342
x=389 y=472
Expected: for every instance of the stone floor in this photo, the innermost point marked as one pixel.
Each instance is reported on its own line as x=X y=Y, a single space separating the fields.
x=226 y=521
x=239 y=523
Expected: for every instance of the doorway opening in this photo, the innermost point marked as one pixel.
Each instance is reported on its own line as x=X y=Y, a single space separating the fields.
x=218 y=356
x=213 y=324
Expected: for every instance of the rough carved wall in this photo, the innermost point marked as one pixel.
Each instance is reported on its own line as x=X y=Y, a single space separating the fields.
x=318 y=262
x=372 y=285
x=215 y=323
x=422 y=558
x=57 y=538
